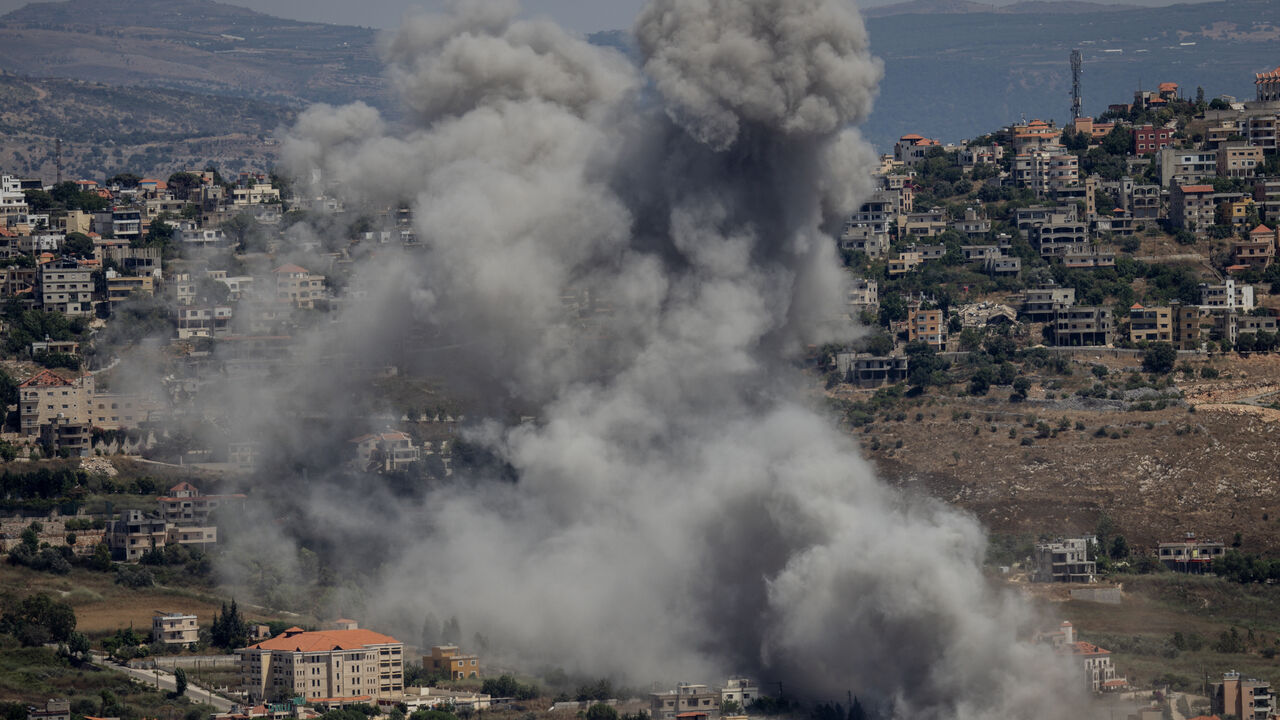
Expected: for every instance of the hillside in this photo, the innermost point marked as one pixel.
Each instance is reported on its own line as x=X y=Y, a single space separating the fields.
x=113 y=129
x=195 y=45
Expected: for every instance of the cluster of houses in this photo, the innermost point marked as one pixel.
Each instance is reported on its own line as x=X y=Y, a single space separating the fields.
x=1067 y=560
x=1078 y=219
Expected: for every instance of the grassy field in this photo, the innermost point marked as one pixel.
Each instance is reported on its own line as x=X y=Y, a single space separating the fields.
x=33 y=675
x=1140 y=631
x=102 y=606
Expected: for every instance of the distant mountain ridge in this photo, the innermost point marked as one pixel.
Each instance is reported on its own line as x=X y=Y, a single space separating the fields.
x=195 y=45
x=953 y=7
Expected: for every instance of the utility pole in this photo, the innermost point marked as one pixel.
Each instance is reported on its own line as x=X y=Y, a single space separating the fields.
x=57 y=157
x=1076 y=69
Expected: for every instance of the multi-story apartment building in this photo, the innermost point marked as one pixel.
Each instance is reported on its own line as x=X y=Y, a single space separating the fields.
x=906 y=261
x=391 y=451
x=1150 y=140
x=1238 y=159
x=122 y=287
x=203 y=320
x=1083 y=325
x=1044 y=170
x=1043 y=304
x=1028 y=218
x=185 y=505
x=1191 y=207
x=1144 y=202
x=930 y=223
x=1242 y=698
x=1231 y=325
x=447 y=660
x=1185 y=167
x=323 y=664
x=1266 y=195
x=254 y=194
x=13 y=203
x=686 y=698
x=48 y=397
x=1153 y=324
x=175 y=629
x=927 y=326
x=1227 y=295
x=911 y=149
x=1094 y=662
x=864 y=296
x=67 y=288
x=1189 y=554
x=740 y=690
x=126 y=223
x=1058 y=234
x=1267 y=85
x=1259 y=251
x=298 y=286
x=975 y=224
x=1034 y=136
x=1188 y=325
x=866 y=370
x=1066 y=560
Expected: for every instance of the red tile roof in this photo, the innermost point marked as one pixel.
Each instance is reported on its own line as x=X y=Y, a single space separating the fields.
x=1083 y=648
x=47 y=378
x=323 y=640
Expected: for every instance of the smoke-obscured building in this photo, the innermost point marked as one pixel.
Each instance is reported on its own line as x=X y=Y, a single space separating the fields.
x=1244 y=698
x=1065 y=560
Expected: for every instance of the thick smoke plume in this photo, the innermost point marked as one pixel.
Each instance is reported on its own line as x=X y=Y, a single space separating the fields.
x=679 y=510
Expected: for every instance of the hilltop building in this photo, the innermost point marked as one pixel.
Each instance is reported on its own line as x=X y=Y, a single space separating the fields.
x=356 y=665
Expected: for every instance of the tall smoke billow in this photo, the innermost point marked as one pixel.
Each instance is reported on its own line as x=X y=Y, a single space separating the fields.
x=679 y=510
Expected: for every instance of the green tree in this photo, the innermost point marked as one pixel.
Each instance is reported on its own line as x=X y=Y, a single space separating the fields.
x=730 y=707
x=39 y=619
x=1119 y=548
x=601 y=711
x=78 y=644
x=1159 y=358
x=182 y=183
x=229 y=630
x=101 y=558
x=78 y=245
x=179 y=682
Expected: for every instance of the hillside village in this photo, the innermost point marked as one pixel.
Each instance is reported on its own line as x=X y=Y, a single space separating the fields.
x=1138 y=247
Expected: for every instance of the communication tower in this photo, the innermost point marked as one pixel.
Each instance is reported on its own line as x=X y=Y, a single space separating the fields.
x=1075 y=84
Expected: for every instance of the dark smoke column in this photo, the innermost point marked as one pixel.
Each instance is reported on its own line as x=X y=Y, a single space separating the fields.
x=681 y=512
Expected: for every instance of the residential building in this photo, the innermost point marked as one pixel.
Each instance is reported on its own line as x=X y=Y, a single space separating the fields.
x=1043 y=304
x=1188 y=325
x=864 y=296
x=927 y=326
x=740 y=690
x=1186 y=167
x=975 y=224
x=1234 y=212
x=1065 y=560
x=930 y=223
x=126 y=223
x=1028 y=218
x=1145 y=202
x=201 y=237
x=324 y=664
x=185 y=505
x=13 y=203
x=298 y=286
x=980 y=253
x=255 y=194
x=1003 y=265
x=1043 y=171
x=686 y=698
x=136 y=261
x=1191 y=207
x=66 y=287
x=388 y=451
x=866 y=370
x=1094 y=662
x=1227 y=295
x=123 y=287
x=1154 y=324
x=447 y=660
x=1259 y=251
x=52 y=710
x=1083 y=325
x=911 y=149
x=1150 y=139
x=973 y=155
x=113 y=411
x=1266 y=196
x=420 y=698
x=134 y=534
x=1190 y=554
x=1267 y=85
x=1229 y=325
x=906 y=261
x=203 y=320
x=1238 y=159
x=175 y=629
x=1243 y=698
x=1058 y=233
x=1035 y=135
x=47 y=397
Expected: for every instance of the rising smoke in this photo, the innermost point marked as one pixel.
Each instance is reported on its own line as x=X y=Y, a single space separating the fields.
x=681 y=511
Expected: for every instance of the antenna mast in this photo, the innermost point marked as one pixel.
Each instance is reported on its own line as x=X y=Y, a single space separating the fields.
x=1075 y=84
x=57 y=155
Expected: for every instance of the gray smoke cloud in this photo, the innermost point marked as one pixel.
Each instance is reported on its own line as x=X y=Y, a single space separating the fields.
x=680 y=510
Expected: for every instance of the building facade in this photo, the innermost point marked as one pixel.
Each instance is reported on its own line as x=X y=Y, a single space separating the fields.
x=324 y=664
x=175 y=629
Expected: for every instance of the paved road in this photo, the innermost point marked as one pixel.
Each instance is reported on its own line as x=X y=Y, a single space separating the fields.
x=165 y=681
